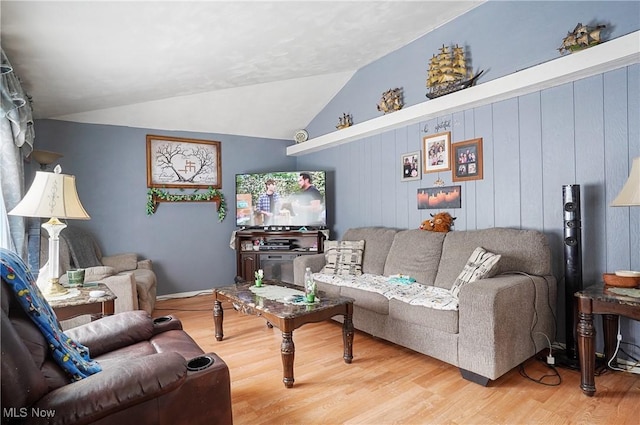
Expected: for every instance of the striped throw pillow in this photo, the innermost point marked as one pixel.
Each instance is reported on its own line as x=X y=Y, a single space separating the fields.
x=343 y=258
x=480 y=264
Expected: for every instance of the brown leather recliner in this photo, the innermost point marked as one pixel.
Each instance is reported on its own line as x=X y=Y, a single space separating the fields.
x=152 y=373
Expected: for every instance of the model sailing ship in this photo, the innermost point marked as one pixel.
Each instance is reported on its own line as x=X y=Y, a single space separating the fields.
x=448 y=72
x=345 y=121
x=391 y=100
x=581 y=37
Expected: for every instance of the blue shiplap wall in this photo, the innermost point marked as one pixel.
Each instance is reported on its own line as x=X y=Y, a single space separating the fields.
x=586 y=132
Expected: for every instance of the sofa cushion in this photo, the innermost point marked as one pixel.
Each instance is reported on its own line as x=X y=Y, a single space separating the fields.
x=480 y=264
x=522 y=250
x=378 y=240
x=415 y=253
x=343 y=257
x=371 y=291
x=446 y=321
x=121 y=262
x=372 y=301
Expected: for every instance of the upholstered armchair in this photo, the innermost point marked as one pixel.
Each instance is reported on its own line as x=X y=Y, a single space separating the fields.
x=131 y=279
x=151 y=371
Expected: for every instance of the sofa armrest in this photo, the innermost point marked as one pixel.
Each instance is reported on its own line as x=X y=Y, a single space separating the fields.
x=113 y=332
x=314 y=261
x=501 y=322
x=132 y=381
x=124 y=288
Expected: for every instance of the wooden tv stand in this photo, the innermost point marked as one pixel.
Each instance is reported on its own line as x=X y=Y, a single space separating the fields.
x=274 y=255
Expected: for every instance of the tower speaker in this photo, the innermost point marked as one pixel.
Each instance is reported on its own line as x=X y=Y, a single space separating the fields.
x=572 y=261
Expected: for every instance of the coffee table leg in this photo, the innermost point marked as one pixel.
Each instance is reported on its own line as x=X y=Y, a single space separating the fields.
x=288 y=353
x=347 y=335
x=217 y=319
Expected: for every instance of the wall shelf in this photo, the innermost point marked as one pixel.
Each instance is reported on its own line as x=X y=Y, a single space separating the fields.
x=157 y=195
x=613 y=54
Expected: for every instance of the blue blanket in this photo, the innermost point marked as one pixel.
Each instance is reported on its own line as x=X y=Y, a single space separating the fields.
x=70 y=355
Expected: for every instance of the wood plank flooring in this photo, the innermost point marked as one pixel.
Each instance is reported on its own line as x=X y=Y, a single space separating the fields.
x=386 y=383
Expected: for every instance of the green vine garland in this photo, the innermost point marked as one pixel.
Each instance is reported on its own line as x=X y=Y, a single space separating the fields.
x=209 y=195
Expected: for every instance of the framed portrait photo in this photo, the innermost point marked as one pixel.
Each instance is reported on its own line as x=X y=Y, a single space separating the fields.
x=175 y=162
x=467 y=160
x=410 y=166
x=436 y=151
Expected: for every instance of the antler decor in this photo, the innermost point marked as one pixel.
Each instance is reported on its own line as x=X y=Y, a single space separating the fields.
x=156 y=195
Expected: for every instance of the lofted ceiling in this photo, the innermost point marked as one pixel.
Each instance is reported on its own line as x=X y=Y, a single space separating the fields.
x=251 y=68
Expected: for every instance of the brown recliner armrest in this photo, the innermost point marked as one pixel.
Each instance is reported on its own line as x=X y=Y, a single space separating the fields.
x=130 y=382
x=113 y=332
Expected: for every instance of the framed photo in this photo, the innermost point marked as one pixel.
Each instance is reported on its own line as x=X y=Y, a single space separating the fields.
x=467 y=160
x=433 y=198
x=410 y=165
x=436 y=151
x=174 y=162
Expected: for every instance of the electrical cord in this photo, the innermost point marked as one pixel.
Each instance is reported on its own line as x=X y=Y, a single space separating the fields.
x=542 y=379
x=615 y=355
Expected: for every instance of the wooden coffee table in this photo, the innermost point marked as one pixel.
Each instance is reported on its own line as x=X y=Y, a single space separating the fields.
x=286 y=316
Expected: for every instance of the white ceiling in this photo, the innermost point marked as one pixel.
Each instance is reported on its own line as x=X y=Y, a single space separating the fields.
x=253 y=68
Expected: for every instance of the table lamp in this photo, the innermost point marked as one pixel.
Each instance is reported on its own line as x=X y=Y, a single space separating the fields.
x=630 y=193
x=52 y=195
x=629 y=196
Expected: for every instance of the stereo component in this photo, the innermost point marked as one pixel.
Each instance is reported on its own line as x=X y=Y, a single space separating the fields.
x=572 y=261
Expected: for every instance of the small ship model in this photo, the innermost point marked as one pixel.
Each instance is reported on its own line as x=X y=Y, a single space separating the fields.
x=345 y=121
x=581 y=37
x=391 y=101
x=448 y=72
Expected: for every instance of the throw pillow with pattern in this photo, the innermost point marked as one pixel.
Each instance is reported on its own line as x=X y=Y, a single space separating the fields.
x=343 y=258
x=480 y=264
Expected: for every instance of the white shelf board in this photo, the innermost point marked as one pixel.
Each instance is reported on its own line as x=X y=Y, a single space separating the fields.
x=614 y=54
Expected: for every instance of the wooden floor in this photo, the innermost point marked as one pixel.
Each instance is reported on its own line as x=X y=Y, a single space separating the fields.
x=386 y=384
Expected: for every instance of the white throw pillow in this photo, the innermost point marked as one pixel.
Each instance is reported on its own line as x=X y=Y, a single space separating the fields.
x=480 y=264
x=343 y=258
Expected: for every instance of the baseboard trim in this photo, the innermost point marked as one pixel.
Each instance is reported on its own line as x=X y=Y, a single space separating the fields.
x=184 y=294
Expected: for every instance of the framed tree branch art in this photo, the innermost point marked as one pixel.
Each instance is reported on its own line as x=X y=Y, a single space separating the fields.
x=174 y=162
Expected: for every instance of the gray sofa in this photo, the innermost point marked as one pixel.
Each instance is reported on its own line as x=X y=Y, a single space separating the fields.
x=499 y=321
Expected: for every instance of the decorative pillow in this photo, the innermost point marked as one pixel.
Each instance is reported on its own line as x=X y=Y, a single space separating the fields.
x=480 y=264
x=343 y=258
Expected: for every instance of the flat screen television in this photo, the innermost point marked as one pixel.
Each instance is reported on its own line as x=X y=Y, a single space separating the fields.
x=288 y=199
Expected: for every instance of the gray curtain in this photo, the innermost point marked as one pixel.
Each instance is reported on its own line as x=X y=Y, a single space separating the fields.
x=16 y=143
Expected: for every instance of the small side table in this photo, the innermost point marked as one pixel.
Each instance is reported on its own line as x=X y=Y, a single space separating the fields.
x=66 y=308
x=599 y=299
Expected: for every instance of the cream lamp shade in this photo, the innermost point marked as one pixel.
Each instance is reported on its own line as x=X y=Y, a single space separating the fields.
x=630 y=193
x=52 y=195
